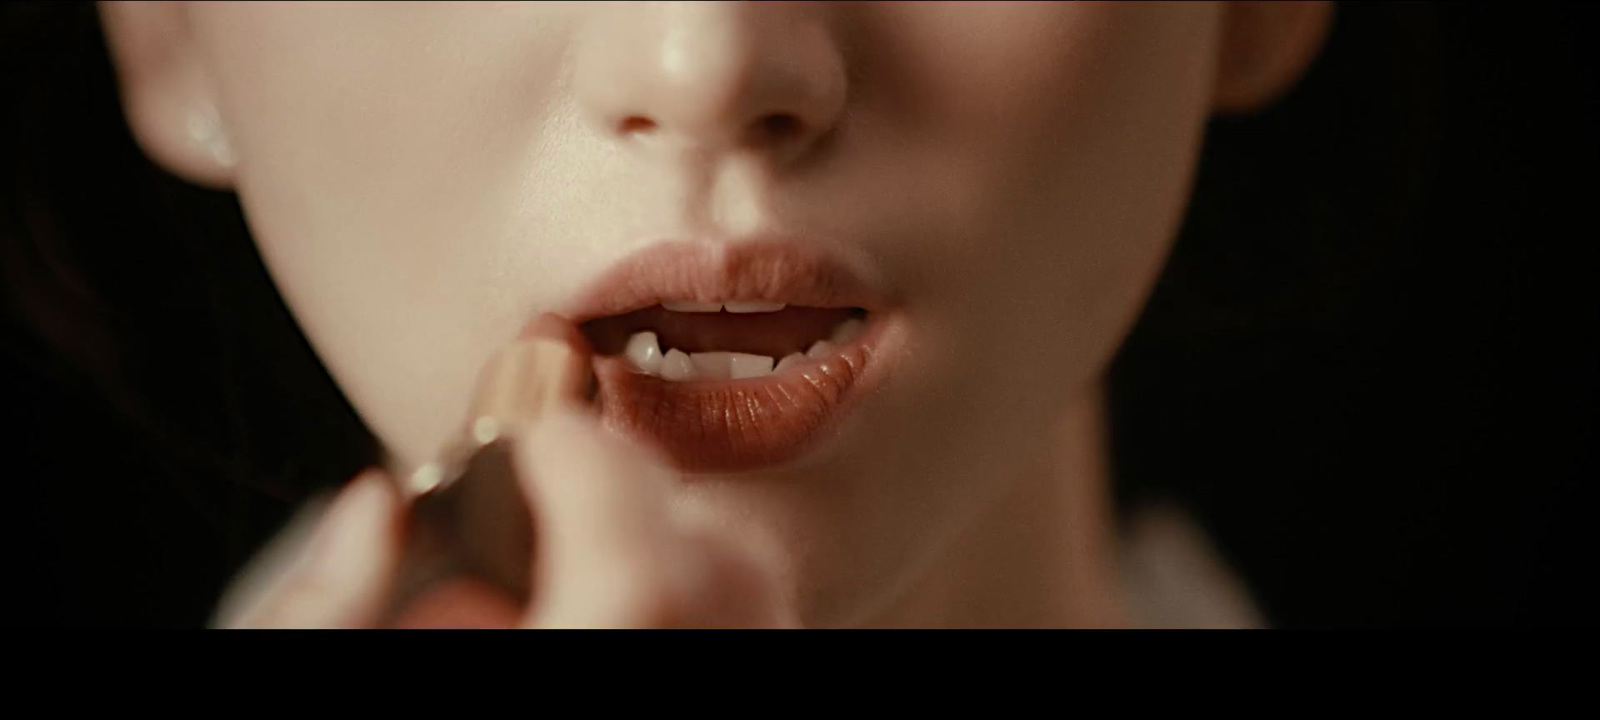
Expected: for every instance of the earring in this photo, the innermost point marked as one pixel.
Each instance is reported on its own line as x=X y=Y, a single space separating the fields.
x=205 y=131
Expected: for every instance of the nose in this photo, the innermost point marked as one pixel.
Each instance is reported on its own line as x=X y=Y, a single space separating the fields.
x=713 y=77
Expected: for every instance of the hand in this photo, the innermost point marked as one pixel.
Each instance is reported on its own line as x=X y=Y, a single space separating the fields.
x=613 y=552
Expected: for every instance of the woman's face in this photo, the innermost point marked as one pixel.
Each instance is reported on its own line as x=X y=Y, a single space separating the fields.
x=996 y=184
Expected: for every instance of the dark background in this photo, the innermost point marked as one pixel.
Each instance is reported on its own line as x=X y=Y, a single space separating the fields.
x=1369 y=368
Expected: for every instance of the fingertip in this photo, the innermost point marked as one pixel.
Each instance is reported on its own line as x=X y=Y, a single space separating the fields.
x=550 y=326
x=371 y=499
x=351 y=558
x=374 y=486
x=299 y=579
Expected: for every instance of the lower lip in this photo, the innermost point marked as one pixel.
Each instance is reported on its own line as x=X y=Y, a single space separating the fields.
x=742 y=425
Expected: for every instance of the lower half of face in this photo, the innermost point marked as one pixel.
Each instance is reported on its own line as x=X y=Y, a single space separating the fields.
x=989 y=189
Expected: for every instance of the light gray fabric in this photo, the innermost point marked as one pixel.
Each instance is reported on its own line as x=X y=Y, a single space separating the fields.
x=1175 y=578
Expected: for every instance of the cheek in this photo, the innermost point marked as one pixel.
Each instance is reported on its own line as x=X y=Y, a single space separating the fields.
x=1047 y=200
x=380 y=158
x=1072 y=171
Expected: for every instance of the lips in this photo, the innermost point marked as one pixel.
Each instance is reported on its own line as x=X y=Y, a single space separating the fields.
x=733 y=357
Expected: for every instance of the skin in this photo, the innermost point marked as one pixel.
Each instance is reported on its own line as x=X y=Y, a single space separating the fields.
x=421 y=178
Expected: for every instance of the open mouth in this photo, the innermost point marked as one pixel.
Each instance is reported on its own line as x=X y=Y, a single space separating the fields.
x=748 y=381
x=740 y=340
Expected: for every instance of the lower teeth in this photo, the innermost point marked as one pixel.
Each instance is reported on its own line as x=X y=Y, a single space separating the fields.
x=644 y=351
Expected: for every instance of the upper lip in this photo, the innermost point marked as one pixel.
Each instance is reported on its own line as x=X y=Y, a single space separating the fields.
x=772 y=270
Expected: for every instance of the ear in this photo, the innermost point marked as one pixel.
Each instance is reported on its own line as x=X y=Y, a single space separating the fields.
x=167 y=92
x=1266 y=46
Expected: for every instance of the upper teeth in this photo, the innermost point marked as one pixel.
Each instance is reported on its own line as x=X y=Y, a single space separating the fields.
x=644 y=351
x=733 y=306
x=752 y=306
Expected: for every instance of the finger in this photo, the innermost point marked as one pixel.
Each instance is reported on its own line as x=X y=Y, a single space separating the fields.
x=461 y=604
x=341 y=577
x=618 y=552
x=612 y=550
x=608 y=549
x=267 y=569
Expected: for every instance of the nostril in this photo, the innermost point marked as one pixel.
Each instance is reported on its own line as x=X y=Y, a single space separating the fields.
x=636 y=124
x=778 y=126
x=771 y=129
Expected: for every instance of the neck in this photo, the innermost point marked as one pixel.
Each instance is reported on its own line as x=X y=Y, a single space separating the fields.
x=1045 y=556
